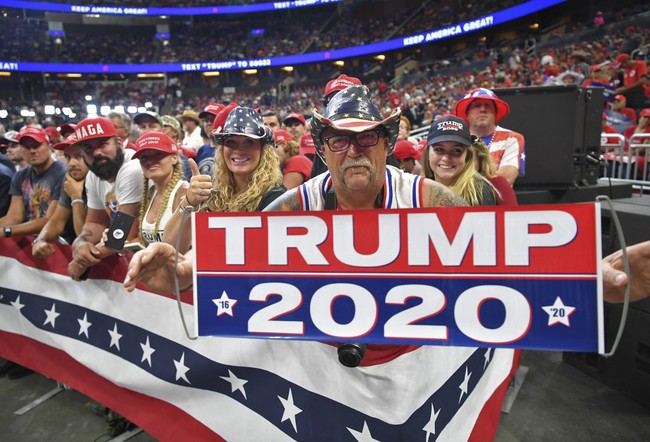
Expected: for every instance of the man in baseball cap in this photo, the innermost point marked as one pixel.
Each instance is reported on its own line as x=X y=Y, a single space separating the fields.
x=635 y=78
x=36 y=188
x=34 y=192
x=14 y=151
x=295 y=124
x=214 y=117
x=407 y=155
x=207 y=116
x=482 y=109
x=148 y=121
x=114 y=184
x=70 y=214
x=619 y=104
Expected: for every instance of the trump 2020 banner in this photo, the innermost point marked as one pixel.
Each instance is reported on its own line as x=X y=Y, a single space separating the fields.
x=524 y=277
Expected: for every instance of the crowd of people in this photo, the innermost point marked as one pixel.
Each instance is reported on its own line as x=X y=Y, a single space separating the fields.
x=334 y=146
x=247 y=163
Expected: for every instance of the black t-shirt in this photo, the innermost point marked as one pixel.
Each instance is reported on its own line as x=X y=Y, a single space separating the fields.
x=270 y=196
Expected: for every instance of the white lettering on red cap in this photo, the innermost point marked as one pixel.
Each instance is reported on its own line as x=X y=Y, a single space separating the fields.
x=89 y=130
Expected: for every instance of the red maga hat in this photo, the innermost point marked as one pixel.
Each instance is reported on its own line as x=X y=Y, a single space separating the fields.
x=93 y=128
x=622 y=58
x=52 y=132
x=340 y=83
x=282 y=135
x=69 y=141
x=295 y=116
x=67 y=129
x=405 y=149
x=35 y=133
x=211 y=108
x=155 y=141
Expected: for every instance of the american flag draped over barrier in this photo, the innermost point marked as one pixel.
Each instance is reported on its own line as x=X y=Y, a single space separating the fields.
x=129 y=352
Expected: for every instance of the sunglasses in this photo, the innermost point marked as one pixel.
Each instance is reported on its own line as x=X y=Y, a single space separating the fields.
x=341 y=143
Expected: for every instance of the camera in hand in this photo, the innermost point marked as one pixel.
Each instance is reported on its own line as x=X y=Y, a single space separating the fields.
x=119 y=230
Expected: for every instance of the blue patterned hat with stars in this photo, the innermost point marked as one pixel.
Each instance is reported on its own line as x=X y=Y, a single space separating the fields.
x=246 y=122
x=352 y=109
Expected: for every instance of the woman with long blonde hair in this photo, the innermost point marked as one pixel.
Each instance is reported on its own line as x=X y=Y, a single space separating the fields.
x=246 y=177
x=485 y=166
x=163 y=184
x=449 y=160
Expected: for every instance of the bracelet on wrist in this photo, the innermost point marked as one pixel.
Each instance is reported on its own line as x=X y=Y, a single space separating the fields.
x=38 y=240
x=187 y=208
x=187 y=200
x=76 y=201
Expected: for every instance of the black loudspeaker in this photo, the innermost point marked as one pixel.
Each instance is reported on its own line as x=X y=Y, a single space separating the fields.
x=561 y=126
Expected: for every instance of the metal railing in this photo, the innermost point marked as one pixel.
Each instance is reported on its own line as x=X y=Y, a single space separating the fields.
x=611 y=153
x=625 y=167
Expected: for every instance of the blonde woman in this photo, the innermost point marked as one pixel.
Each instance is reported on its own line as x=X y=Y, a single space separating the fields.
x=449 y=160
x=158 y=155
x=485 y=166
x=246 y=177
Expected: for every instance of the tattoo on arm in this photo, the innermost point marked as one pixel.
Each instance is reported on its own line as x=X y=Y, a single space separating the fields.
x=442 y=196
x=289 y=201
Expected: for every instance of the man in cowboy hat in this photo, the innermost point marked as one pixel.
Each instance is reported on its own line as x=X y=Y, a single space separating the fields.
x=483 y=110
x=354 y=140
x=192 y=127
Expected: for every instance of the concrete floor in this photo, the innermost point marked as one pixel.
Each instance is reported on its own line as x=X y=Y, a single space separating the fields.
x=556 y=402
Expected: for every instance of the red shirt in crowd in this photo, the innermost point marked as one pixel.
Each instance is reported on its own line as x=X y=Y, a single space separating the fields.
x=507 y=195
x=300 y=164
x=633 y=73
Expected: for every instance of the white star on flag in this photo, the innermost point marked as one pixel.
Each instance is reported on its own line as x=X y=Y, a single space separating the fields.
x=487 y=357
x=558 y=313
x=224 y=304
x=147 y=351
x=84 y=325
x=17 y=305
x=290 y=410
x=430 y=427
x=115 y=337
x=51 y=316
x=235 y=383
x=464 y=386
x=181 y=369
x=363 y=435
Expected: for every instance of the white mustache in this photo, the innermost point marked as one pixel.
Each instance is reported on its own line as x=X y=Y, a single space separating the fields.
x=358 y=162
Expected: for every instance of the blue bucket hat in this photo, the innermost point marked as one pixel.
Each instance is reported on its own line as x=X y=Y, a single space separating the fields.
x=351 y=109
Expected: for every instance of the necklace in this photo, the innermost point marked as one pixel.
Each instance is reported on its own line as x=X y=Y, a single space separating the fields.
x=490 y=138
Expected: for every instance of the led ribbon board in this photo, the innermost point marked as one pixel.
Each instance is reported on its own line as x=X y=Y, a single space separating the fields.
x=519 y=277
x=179 y=10
x=475 y=24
